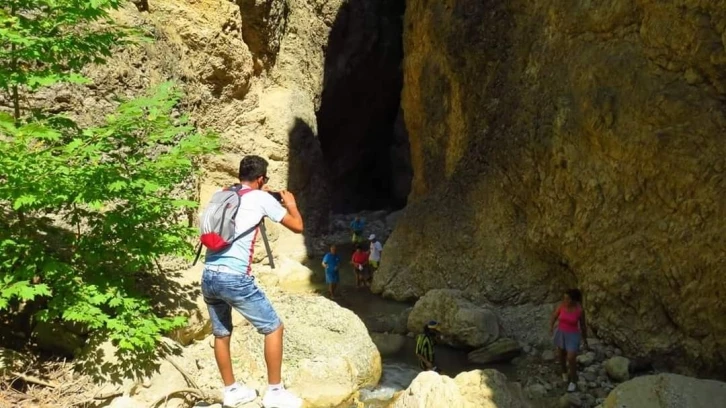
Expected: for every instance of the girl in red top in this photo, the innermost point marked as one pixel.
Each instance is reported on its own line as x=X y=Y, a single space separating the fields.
x=360 y=265
x=569 y=333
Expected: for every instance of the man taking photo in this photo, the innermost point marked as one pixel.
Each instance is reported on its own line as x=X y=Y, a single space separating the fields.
x=227 y=283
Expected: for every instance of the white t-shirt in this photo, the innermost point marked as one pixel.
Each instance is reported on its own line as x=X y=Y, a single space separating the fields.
x=253 y=206
x=376 y=249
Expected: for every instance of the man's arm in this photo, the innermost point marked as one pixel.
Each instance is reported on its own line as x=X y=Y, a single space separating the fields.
x=292 y=220
x=424 y=360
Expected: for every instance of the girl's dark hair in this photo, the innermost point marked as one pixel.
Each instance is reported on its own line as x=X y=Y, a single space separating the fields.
x=575 y=295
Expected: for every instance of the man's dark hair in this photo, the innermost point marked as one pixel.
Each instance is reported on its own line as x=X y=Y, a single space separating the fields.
x=251 y=167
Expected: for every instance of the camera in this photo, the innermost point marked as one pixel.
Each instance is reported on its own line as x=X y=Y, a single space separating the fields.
x=276 y=194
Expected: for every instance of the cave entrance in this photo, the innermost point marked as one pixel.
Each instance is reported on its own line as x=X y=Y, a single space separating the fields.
x=360 y=123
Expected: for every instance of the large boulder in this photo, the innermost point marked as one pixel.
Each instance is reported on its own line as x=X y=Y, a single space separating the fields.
x=462 y=322
x=473 y=389
x=328 y=352
x=528 y=323
x=667 y=391
x=562 y=143
x=501 y=350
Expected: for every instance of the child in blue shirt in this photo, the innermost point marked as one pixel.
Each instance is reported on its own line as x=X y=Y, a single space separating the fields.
x=357 y=226
x=331 y=263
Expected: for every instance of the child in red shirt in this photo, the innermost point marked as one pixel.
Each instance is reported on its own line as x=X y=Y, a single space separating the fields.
x=360 y=265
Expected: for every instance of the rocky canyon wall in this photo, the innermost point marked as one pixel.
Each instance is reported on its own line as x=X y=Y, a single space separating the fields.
x=255 y=71
x=562 y=143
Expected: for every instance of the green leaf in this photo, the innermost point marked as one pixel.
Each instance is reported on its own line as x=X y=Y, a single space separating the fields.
x=24 y=200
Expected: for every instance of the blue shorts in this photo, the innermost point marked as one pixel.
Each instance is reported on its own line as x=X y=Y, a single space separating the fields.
x=569 y=342
x=223 y=291
x=332 y=277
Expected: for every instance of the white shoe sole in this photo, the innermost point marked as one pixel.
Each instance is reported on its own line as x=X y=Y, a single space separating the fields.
x=240 y=402
x=276 y=405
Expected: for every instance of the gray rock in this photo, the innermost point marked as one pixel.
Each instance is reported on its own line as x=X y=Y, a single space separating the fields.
x=388 y=344
x=535 y=391
x=500 y=351
x=56 y=338
x=586 y=359
x=548 y=355
x=589 y=376
x=570 y=400
x=617 y=368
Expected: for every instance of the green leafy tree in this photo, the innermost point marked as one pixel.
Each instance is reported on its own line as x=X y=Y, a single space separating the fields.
x=86 y=213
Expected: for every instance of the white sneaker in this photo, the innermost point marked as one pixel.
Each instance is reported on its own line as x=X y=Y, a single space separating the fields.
x=572 y=387
x=239 y=395
x=281 y=399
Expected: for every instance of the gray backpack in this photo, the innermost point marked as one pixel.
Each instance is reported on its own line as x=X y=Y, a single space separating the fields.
x=217 y=223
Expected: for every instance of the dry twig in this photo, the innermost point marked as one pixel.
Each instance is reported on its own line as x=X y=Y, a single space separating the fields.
x=33 y=380
x=199 y=393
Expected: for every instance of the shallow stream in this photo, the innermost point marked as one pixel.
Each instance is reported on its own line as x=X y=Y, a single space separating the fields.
x=401 y=367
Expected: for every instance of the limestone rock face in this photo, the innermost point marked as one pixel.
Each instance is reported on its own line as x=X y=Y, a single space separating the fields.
x=559 y=144
x=667 y=390
x=472 y=389
x=461 y=322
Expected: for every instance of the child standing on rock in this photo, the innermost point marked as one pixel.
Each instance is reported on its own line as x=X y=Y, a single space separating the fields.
x=571 y=330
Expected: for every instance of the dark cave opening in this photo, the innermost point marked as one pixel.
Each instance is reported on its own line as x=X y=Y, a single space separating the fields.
x=360 y=123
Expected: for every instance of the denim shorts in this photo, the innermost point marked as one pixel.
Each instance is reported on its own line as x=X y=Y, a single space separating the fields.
x=224 y=291
x=567 y=341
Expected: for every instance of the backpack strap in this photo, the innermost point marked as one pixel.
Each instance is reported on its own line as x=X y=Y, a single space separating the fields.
x=238 y=188
x=267 y=243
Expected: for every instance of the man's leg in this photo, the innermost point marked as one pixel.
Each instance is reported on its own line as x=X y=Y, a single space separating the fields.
x=273 y=355
x=224 y=360
x=220 y=313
